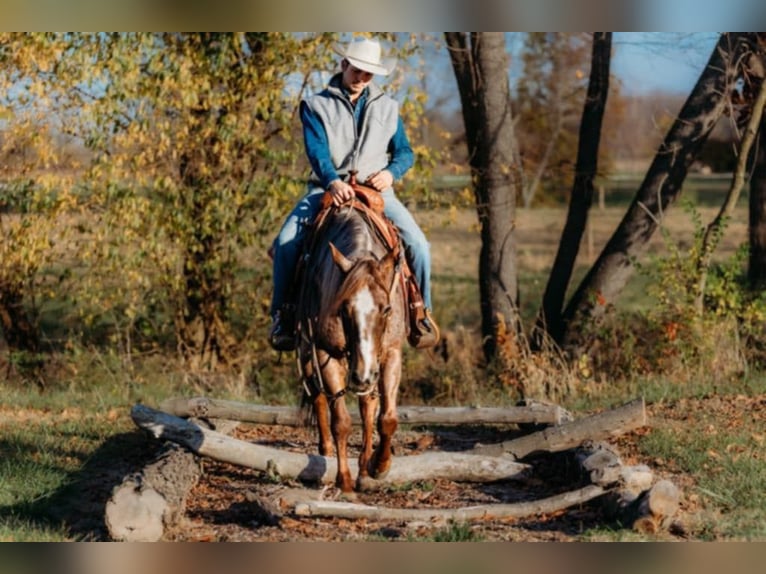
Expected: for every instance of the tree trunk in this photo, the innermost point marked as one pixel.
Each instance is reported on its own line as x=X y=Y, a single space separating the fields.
x=200 y=318
x=203 y=335
x=549 y=318
x=144 y=504
x=756 y=273
x=20 y=334
x=661 y=186
x=152 y=500
x=633 y=498
x=481 y=71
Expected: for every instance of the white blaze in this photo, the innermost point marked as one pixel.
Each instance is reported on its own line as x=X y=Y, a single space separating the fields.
x=364 y=305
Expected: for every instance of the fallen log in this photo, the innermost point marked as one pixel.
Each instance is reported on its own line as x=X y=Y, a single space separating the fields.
x=654 y=509
x=459 y=467
x=535 y=413
x=483 y=512
x=604 y=467
x=153 y=499
x=633 y=500
x=600 y=426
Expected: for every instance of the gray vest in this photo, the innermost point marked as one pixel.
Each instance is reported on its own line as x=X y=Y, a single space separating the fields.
x=366 y=148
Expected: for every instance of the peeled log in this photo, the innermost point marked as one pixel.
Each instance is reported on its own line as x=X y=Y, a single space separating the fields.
x=604 y=467
x=482 y=512
x=459 y=467
x=572 y=434
x=535 y=413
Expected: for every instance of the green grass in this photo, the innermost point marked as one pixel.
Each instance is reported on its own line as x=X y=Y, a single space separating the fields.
x=453 y=532
x=39 y=460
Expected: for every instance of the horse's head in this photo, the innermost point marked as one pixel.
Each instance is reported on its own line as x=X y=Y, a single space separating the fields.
x=365 y=308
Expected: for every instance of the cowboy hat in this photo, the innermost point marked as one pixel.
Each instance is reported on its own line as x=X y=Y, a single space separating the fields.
x=364 y=53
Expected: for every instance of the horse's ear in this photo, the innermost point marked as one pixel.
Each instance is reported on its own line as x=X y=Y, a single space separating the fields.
x=341 y=260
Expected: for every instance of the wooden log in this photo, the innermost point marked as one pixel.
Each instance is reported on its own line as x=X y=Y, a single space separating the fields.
x=604 y=467
x=149 y=501
x=633 y=499
x=482 y=512
x=600 y=426
x=653 y=510
x=145 y=502
x=314 y=468
x=535 y=413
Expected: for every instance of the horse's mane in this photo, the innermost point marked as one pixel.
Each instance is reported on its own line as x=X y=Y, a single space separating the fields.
x=352 y=235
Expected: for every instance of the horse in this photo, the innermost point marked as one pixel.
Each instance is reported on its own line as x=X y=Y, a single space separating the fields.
x=351 y=321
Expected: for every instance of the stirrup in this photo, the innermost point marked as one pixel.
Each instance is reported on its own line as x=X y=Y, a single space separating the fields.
x=424 y=333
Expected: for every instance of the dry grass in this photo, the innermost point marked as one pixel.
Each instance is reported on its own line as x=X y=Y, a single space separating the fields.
x=455 y=246
x=455 y=240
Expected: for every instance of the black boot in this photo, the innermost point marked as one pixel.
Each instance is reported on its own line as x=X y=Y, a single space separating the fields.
x=282 y=333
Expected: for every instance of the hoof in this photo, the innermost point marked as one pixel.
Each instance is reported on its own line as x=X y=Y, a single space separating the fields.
x=382 y=473
x=366 y=484
x=347 y=496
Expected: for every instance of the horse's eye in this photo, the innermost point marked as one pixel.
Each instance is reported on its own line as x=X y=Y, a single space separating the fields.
x=387 y=310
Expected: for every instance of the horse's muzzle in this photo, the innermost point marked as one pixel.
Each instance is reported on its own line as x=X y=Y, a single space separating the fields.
x=362 y=387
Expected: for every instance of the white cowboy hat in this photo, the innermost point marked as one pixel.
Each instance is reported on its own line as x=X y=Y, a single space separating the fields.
x=364 y=53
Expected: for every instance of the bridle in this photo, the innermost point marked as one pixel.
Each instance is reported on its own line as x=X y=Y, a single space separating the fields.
x=310 y=340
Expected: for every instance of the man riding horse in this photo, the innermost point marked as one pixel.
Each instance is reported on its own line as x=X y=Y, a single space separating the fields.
x=352 y=127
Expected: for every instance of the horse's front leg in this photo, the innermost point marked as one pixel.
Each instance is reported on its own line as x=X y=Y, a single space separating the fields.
x=388 y=419
x=322 y=414
x=319 y=405
x=334 y=375
x=368 y=405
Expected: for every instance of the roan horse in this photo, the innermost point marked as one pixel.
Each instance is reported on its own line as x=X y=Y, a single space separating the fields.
x=352 y=323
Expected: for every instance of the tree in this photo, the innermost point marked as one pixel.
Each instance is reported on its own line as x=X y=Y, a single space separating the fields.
x=191 y=156
x=192 y=135
x=757 y=198
x=33 y=163
x=549 y=318
x=662 y=184
x=480 y=63
x=714 y=229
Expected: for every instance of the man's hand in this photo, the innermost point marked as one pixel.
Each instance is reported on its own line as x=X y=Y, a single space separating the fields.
x=341 y=192
x=381 y=180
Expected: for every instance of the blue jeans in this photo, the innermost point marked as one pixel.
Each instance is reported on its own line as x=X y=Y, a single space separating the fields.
x=289 y=243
